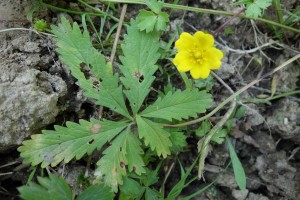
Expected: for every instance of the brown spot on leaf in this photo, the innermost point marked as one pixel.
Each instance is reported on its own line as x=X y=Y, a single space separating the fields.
x=122 y=164
x=137 y=74
x=95 y=128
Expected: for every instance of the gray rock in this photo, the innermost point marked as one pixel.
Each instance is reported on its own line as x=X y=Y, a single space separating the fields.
x=253 y=196
x=284 y=119
x=240 y=194
x=28 y=97
x=25 y=107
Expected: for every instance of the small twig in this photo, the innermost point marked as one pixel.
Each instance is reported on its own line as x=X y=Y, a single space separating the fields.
x=88 y=165
x=48 y=171
x=239 y=51
x=11 y=163
x=162 y=188
x=100 y=115
x=25 y=29
x=222 y=82
x=113 y=51
x=204 y=142
x=6 y=173
x=14 y=21
x=227 y=21
x=293 y=153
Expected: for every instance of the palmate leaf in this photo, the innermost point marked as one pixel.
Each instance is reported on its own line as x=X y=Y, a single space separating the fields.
x=155 y=136
x=179 y=105
x=146 y=20
x=255 y=7
x=155 y=5
x=76 y=49
x=149 y=21
x=65 y=143
x=52 y=188
x=140 y=55
x=125 y=150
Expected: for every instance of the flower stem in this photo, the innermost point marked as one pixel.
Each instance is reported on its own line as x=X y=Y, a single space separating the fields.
x=100 y=13
x=209 y=11
x=186 y=80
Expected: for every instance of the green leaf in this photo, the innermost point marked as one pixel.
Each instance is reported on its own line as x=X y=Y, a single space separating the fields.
x=240 y=112
x=149 y=21
x=111 y=95
x=140 y=55
x=65 y=143
x=239 y=173
x=52 y=188
x=179 y=105
x=255 y=8
x=155 y=136
x=151 y=194
x=181 y=184
x=146 y=20
x=77 y=51
x=75 y=48
x=219 y=136
x=204 y=84
x=125 y=150
x=263 y=4
x=162 y=20
x=131 y=189
x=203 y=129
x=96 y=192
x=155 y=5
x=178 y=140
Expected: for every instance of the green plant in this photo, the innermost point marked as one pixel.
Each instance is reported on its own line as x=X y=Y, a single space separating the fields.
x=142 y=133
x=140 y=124
x=40 y=25
x=255 y=8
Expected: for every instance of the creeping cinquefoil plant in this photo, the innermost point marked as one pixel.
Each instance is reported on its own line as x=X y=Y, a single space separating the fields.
x=132 y=145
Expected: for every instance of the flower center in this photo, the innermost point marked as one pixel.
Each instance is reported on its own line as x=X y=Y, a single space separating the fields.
x=197 y=54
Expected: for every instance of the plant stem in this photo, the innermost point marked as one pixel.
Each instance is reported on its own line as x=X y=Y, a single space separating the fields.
x=186 y=80
x=76 y=12
x=272 y=98
x=209 y=11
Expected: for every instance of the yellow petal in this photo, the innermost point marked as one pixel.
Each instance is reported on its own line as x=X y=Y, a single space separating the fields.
x=213 y=57
x=204 y=40
x=185 y=42
x=184 y=62
x=200 y=72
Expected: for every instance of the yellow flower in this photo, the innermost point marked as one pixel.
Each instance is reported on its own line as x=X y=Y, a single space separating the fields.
x=197 y=54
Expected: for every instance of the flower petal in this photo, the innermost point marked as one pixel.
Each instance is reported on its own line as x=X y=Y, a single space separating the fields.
x=204 y=40
x=213 y=56
x=183 y=61
x=185 y=42
x=200 y=72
